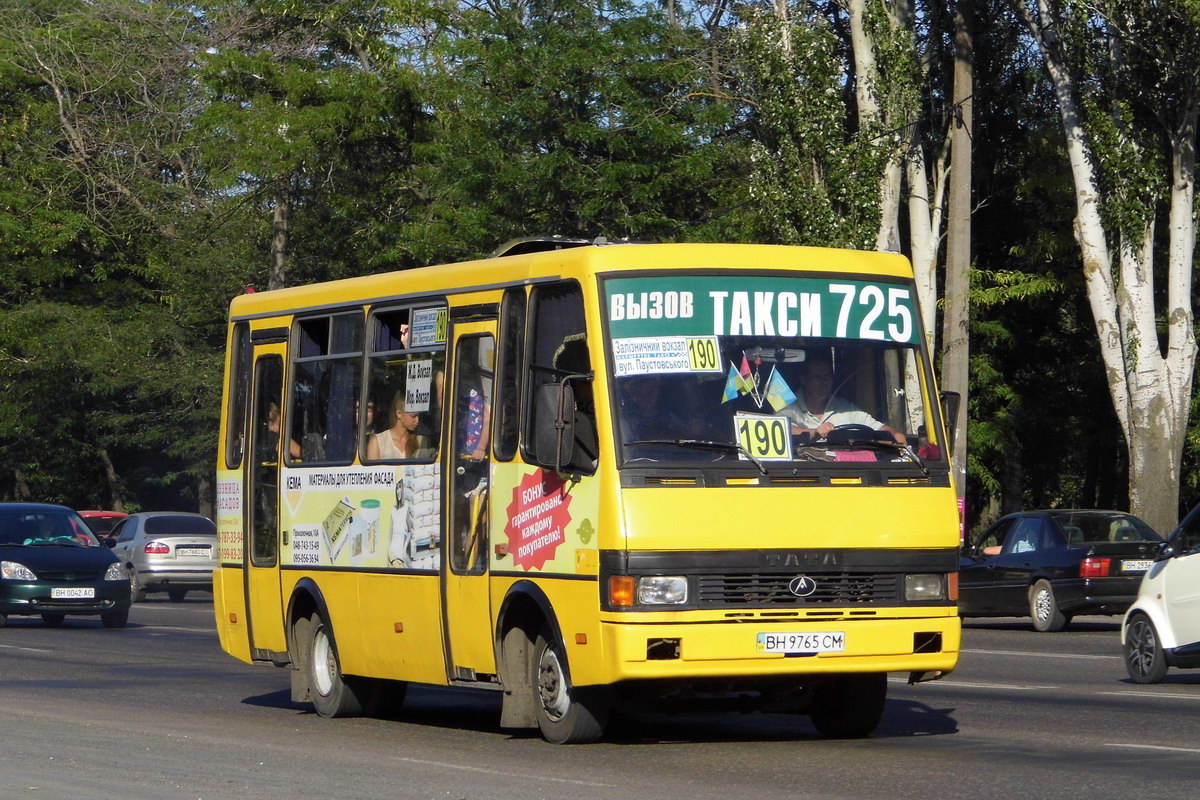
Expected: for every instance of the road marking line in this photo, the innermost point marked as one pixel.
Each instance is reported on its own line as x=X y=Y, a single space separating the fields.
x=966 y=685
x=1038 y=655
x=1155 y=694
x=26 y=649
x=448 y=765
x=1154 y=747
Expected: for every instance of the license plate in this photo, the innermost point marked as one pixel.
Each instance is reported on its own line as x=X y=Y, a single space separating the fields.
x=69 y=592
x=802 y=642
x=1140 y=565
x=192 y=552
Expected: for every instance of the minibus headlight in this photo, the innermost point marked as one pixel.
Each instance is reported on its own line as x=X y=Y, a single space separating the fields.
x=658 y=590
x=925 y=587
x=116 y=572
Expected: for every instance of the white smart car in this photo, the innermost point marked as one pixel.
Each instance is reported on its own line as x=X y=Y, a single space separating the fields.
x=1162 y=627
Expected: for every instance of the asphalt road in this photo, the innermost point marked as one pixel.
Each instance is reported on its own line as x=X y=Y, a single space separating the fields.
x=157 y=711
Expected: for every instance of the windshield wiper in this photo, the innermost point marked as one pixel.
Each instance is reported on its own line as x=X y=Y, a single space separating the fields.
x=904 y=450
x=707 y=444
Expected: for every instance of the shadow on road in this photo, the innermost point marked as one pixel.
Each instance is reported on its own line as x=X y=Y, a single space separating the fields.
x=479 y=711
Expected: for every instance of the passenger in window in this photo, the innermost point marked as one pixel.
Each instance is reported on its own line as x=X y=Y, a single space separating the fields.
x=400 y=440
x=818 y=410
x=474 y=414
x=271 y=441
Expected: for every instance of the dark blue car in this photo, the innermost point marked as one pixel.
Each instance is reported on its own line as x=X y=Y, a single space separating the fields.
x=52 y=565
x=1053 y=565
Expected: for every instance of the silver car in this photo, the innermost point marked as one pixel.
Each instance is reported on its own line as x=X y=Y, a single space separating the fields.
x=166 y=551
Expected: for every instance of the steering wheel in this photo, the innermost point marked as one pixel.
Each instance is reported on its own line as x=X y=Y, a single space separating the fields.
x=853 y=431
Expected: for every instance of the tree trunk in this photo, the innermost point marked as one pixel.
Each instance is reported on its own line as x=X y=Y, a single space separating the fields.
x=279 y=233
x=116 y=503
x=204 y=496
x=1150 y=390
x=956 y=339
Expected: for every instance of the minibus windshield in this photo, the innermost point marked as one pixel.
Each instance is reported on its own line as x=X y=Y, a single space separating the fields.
x=766 y=369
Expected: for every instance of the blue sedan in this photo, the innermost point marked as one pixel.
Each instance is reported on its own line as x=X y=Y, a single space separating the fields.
x=1053 y=565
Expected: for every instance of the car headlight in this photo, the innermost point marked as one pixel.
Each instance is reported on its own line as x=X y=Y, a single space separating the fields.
x=656 y=590
x=116 y=572
x=15 y=571
x=925 y=587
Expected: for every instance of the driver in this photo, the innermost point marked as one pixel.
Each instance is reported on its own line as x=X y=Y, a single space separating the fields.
x=817 y=410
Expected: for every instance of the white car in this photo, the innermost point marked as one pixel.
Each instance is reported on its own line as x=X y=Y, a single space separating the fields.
x=1162 y=627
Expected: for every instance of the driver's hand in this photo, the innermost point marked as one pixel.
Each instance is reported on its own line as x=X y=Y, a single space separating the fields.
x=824 y=428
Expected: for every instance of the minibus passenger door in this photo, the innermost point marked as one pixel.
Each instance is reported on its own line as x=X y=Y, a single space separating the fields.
x=468 y=617
x=264 y=604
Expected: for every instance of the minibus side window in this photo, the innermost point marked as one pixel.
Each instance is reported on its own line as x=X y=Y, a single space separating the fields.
x=239 y=382
x=558 y=365
x=507 y=401
x=325 y=386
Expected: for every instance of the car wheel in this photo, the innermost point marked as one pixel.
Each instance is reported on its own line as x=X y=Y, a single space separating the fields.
x=3 y=620
x=54 y=620
x=565 y=714
x=333 y=694
x=177 y=595
x=1144 y=656
x=850 y=706
x=116 y=618
x=1043 y=608
x=137 y=592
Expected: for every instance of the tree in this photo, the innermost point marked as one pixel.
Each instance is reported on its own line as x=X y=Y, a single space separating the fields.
x=310 y=118
x=106 y=338
x=570 y=117
x=1125 y=74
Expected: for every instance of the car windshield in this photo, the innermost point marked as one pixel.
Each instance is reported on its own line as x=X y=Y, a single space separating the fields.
x=783 y=371
x=102 y=525
x=1094 y=527
x=45 y=528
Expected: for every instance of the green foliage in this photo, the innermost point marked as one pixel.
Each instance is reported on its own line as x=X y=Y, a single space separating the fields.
x=569 y=117
x=815 y=175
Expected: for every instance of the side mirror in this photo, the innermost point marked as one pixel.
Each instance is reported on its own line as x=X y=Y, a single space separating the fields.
x=950 y=402
x=108 y=541
x=554 y=434
x=1165 y=551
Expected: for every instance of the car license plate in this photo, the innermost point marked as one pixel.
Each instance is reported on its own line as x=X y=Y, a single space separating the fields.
x=69 y=592
x=1139 y=565
x=192 y=552
x=802 y=642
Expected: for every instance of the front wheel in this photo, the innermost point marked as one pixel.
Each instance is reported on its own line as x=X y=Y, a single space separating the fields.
x=850 y=706
x=115 y=619
x=1043 y=608
x=1144 y=656
x=333 y=694
x=566 y=714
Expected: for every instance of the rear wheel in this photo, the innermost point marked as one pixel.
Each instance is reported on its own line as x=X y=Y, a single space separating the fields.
x=115 y=619
x=566 y=714
x=1043 y=608
x=54 y=620
x=177 y=595
x=850 y=706
x=137 y=592
x=333 y=694
x=1144 y=656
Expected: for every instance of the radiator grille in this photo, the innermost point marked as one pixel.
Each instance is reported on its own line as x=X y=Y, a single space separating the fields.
x=771 y=589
